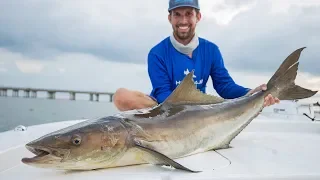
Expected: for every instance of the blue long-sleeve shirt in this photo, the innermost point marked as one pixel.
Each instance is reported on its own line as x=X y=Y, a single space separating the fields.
x=167 y=67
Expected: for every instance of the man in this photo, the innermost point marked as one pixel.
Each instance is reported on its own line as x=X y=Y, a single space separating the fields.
x=175 y=56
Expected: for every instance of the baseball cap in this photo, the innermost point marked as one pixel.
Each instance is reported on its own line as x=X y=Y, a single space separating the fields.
x=179 y=3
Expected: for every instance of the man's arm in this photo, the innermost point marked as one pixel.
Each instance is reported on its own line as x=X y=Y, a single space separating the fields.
x=221 y=80
x=159 y=78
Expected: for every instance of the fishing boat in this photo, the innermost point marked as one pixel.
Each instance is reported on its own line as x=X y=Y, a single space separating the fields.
x=283 y=142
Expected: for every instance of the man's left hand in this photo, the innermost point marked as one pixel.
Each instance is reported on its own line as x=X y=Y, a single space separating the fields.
x=268 y=100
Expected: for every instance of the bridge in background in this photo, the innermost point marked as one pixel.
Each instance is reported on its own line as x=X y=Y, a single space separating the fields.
x=51 y=93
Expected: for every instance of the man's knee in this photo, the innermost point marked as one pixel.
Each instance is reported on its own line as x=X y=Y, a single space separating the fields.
x=125 y=99
x=120 y=98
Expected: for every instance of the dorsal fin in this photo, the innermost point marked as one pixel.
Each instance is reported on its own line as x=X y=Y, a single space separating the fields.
x=187 y=93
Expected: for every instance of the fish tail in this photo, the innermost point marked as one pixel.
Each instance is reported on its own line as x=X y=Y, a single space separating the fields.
x=282 y=83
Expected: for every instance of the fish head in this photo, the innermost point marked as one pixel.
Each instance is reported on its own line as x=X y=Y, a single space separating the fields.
x=87 y=145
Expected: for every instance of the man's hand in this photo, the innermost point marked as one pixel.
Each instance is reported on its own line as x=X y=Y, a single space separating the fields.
x=268 y=100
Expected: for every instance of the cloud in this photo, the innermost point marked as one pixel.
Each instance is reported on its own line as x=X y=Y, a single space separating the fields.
x=247 y=31
x=75 y=71
x=224 y=11
x=258 y=40
x=92 y=44
x=92 y=27
x=21 y=63
x=3 y=70
x=29 y=66
x=62 y=70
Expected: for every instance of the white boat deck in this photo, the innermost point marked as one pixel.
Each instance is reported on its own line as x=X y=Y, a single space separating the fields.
x=269 y=148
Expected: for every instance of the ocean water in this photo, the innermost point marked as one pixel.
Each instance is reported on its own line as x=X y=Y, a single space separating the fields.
x=16 y=111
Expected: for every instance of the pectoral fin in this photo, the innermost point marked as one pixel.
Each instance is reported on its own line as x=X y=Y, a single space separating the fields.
x=161 y=159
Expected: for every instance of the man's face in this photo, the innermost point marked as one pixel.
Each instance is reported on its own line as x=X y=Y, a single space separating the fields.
x=184 y=21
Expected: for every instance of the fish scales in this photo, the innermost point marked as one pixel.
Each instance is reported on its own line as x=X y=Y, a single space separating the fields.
x=186 y=123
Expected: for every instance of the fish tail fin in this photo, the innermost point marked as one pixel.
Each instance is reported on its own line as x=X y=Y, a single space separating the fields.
x=282 y=83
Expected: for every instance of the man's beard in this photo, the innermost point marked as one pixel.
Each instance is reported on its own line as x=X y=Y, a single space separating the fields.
x=184 y=35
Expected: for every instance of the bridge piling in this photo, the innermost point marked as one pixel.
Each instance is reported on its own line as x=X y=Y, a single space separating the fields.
x=51 y=93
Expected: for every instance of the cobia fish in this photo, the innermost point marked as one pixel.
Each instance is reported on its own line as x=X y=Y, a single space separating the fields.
x=186 y=123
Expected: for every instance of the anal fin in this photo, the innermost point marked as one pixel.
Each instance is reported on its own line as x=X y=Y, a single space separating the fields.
x=162 y=159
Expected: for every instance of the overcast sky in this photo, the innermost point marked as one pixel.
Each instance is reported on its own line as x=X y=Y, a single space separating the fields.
x=90 y=45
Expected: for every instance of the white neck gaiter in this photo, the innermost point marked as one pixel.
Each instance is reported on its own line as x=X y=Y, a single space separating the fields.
x=185 y=49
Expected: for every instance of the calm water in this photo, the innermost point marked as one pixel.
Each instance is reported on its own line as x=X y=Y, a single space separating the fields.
x=23 y=111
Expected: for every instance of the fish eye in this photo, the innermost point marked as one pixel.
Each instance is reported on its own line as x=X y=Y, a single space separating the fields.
x=76 y=140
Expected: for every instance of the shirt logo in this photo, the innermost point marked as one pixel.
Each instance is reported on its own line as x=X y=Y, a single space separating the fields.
x=186 y=72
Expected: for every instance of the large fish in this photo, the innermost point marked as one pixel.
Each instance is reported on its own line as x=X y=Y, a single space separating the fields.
x=186 y=123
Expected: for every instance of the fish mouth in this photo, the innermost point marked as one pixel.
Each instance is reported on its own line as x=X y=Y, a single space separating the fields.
x=45 y=155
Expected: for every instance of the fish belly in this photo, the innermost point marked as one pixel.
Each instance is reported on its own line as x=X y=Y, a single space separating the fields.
x=132 y=156
x=206 y=130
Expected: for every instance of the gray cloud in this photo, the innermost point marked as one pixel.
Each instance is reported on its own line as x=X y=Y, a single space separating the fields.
x=258 y=41
x=72 y=71
x=231 y=4
x=237 y=3
x=105 y=29
x=255 y=40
